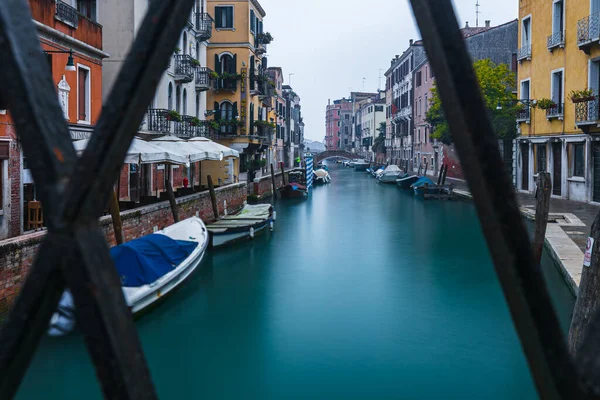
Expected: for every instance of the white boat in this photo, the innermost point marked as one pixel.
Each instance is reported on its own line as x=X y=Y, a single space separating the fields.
x=243 y=225
x=150 y=268
x=390 y=174
x=361 y=165
x=321 y=177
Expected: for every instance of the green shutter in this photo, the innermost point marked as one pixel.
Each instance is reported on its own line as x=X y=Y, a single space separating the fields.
x=251 y=118
x=217 y=111
x=252 y=21
x=218 y=17
x=252 y=72
x=229 y=11
x=217 y=64
x=234 y=66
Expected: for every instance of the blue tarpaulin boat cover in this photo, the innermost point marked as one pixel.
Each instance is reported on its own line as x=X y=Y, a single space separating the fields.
x=422 y=181
x=144 y=260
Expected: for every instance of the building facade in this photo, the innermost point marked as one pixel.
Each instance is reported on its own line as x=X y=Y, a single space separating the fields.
x=371 y=115
x=71 y=38
x=332 y=125
x=426 y=150
x=294 y=139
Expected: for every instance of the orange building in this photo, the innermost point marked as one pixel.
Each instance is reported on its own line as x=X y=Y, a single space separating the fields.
x=72 y=41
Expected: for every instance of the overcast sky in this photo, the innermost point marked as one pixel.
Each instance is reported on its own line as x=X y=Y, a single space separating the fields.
x=330 y=45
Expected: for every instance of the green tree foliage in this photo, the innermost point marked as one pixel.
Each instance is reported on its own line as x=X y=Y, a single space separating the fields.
x=495 y=81
x=379 y=142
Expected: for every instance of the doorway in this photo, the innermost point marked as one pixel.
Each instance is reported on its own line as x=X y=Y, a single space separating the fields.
x=557 y=169
x=524 y=166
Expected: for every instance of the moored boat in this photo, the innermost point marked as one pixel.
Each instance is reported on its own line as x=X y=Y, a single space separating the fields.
x=406 y=181
x=321 y=177
x=294 y=190
x=361 y=165
x=243 y=225
x=390 y=174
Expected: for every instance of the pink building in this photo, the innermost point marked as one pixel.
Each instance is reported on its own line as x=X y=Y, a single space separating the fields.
x=332 y=126
x=425 y=149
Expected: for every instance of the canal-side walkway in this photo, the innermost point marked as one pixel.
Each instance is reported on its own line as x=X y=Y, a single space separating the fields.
x=569 y=225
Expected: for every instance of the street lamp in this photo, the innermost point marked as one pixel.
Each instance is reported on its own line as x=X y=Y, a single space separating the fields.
x=70 y=62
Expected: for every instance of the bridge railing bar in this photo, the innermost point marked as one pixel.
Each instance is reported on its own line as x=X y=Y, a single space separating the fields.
x=508 y=241
x=74 y=193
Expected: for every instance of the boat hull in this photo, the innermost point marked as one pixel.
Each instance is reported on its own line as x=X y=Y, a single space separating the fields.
x=237 y=235
x=388 y=178
x=406 y=183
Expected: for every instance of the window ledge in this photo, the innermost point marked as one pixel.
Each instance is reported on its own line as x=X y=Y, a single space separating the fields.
x=84 y=122
x=576 y=179
x=225 y=29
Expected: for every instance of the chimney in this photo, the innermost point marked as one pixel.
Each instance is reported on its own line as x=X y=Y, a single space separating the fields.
x=410 y=42
x=467 y=24
x=487 y=23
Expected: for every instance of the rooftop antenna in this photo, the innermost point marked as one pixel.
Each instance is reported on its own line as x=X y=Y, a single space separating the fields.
x=379 y=80
x=477 y=12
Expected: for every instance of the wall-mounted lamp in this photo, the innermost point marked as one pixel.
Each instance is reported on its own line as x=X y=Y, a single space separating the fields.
x=70 y=62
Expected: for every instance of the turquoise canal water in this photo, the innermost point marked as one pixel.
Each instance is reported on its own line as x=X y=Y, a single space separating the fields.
x=362 y=292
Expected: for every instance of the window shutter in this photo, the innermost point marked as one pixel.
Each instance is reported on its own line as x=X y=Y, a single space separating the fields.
x=229 y=11
x=235 y=110
x=251 y=118
x=233 y=67
x=252 y=21
x=218 y=17
x=82 y=94
x=252 y=72
x=260 y=25
x=217 y=64
x=217 y=111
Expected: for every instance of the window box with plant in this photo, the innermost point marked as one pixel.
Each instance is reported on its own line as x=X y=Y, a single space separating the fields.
x=581 y=96
x=173 y=115
x=545 y=104
x=264 y=38
x=195 y=62
x=195 y=122
x=177 y=50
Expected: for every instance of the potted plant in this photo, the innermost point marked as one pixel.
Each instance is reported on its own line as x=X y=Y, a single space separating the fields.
x=177 y=50
x=264 y=38
x=195 y=62
x=579 y=96
x=195 y=121
x=173 y=115
x=215 y=125
x=213 y=75
x=545 y=104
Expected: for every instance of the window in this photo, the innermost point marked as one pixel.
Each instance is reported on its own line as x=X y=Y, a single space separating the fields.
x=184 y=107
x=197 y=105
x=525 y=89
x=227 y=113
x=252 y=21
x=556 y=86
x=346 y=116
x=526 y=31
x=178 y=99
x=83 y=94
x=558 y=17
x=426 y=104
x=578 y=163
x=185 y=43
x=170 y=96
x=224 y=17
x=87 y=8
x=426 y=73
x=418 y=79
x=378 y=108
x=540 y=156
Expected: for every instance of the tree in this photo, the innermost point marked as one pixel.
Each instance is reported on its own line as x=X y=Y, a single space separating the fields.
x=496 y=82
x=379 y=142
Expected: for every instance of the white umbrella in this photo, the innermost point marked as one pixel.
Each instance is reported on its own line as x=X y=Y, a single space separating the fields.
x=141 y=152
x=206 y=143
x=194 y=152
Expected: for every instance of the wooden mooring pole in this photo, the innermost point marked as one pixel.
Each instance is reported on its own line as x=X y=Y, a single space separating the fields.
x=172 y=201
x=213 y=196
x=282 y=166
x=542 y=207
x=275 y=193
x=444 y=175
x=115 y=212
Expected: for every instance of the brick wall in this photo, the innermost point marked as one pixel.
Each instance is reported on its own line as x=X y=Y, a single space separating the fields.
x=14 y=172
x=17 y=254
x=450 y=158
x=263 y=187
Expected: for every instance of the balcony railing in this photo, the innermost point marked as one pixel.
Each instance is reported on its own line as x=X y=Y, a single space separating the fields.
x=260 y=48
x=184 y=69
x=187 y=129
x=524 y=115
x=204 y=23
x=588 y=30
x=557 y=39
x=586 y=112
x=524 y=53
x=558 y=111
x=157 y=120
x=67 y=14
x=229 y=85
x=203 y=78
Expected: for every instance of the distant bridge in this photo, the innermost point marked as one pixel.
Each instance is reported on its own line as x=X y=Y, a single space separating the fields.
x=334 y=153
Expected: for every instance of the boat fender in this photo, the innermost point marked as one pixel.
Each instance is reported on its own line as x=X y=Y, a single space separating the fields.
x=271 y=225
x=274 y=215
x=251 y=233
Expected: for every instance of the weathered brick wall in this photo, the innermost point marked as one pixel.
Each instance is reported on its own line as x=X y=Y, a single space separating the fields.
x=14 y=172
x=450 y=158
x=124 y=183
x=17 y=254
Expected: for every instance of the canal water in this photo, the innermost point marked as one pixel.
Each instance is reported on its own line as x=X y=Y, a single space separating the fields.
x=362 y=292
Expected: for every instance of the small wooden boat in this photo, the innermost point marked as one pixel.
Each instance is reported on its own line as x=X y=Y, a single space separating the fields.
x=361 y=165
x=390 y=174
x=150 y=268
x=294 y=190
x=406 y=181
x=243 y=225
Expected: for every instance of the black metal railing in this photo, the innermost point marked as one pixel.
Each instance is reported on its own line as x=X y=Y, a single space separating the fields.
x=587 y=112
x=524 y=114
x=157 y=120
x=184 y=128
x=259 y=47
x=227 y=84
x=556 y=39
x=557 y=111
x=203 y=78
x=67 y=14
x=588 y=29
x=524 y=53
x=204 y=23
x=184 y=68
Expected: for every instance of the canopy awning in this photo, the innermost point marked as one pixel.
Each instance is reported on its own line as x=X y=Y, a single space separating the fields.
x=206 y=143
x=194 y=150
x=141 y=152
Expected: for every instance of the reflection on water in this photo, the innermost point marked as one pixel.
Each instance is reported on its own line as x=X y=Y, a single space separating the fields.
x=362 y=292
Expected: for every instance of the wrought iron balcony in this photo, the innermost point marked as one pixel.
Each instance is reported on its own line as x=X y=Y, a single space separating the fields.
x=203 y=78
x=524 y=53
x=204 y=24
x=227 y=84
x=557 y=39
x=184 y=69
x=524 y=115
x=67 y=14
x=558 y=111
x=260 y=48
x=157 y=120
x=186 y=128
x=588 y=31
x=586 y=112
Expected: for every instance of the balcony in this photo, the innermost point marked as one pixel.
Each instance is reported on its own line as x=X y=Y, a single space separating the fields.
x=186 y=128
x=67 y=14
x=225 y=85
x=524 y=53
x=558 y=111
x=224 y=128
x=588 y=31
x=203 y=79
x=184 y=69
x=557 y=39
x=204 y=23
x=586 y=112
x=524 y=115
x=157 y=120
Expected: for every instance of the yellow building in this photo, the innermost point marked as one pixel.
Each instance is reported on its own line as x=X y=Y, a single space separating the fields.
x=242 y=93
x=559 y=50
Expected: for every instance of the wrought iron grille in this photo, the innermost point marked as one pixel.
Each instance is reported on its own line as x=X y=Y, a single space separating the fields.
x=67 y=14
x=588 y=29
x=185 y=128
x=587 y=112
x=556 y=111
x=524 y=115
x=203 y=78
x=184 y=68
x=229 y=84
x=204 y=23
x=556 y=39
x=157 y=120
x=260 y=47
x=524 y=53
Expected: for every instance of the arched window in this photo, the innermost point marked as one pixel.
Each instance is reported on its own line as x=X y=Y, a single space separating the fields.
x=185 y=43
x=227 y=64
x=170 y=96
x=184 y=107
x=227 y=114
x=197 y=105
x=178 y=98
